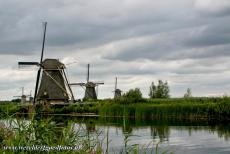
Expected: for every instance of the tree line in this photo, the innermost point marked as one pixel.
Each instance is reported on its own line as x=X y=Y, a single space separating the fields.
x=161 y=90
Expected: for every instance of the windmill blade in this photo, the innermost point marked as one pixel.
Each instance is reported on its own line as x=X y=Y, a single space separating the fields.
x=97 y=91
x=28 y=63
x=43 y=42
x=87 y=79
x=17 y=96
x=39 y=71
x=67 y=83
x=71 y=63
x=99 y=82
x=115 y=83
x=36 y=86
x=77 y=84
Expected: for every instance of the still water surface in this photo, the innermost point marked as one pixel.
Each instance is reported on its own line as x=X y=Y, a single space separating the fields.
x=179 y=137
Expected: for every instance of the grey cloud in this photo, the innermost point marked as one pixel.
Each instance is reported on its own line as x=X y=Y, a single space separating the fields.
x=136 y=40
x=212 y=40
x=212 y=7
x=67 y=25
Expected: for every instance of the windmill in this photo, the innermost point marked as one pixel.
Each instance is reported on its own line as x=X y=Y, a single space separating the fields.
x=53 y=85
x=90 y=91
x=23 y=96
x=117 y=92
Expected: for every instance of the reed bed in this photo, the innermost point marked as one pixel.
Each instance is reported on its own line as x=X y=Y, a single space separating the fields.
x=195 y=108
x=180 y=108
x=46 y=133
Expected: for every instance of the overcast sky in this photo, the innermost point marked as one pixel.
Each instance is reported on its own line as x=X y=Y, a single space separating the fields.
x=186 y=42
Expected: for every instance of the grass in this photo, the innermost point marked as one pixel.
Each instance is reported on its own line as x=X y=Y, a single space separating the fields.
x=179 y=108
x=209 y=108
x=47 y=133
x=8 y=108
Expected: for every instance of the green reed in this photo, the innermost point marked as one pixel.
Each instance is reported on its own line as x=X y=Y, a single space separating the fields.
x=217 y=108
x=45 y=132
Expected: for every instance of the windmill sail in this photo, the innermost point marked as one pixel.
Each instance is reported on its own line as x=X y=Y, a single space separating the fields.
x=28 y=63
x=51 y=81
x=90 y=91
x=39 y=71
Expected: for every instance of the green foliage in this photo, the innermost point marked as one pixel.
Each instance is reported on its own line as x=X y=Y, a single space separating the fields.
x=178 y=108
x=45 y=132
x=5 y=134
x=159 y=91
x=132 y=96
x=152 y=90
x=17 y=100
x=131 y=104
x=78 y=108
x=8 y=108
x=51 y=133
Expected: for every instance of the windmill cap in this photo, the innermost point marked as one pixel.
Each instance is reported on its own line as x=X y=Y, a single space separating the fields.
x=117 y=90
x=90 y=84
x=52 y=64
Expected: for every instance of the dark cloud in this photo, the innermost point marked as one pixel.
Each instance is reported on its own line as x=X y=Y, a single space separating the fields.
x=209 y=40
x=183 y=41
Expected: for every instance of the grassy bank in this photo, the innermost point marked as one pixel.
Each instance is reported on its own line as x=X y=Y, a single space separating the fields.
x=192 y=108
x=45 y=134
x=8 y=108
x=218 y=108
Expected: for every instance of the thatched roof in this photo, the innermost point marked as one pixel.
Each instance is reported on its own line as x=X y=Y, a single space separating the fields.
x=90 y=84
x=52 y=64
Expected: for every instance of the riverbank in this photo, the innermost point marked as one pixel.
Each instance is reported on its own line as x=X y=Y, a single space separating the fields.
x=178 y=108
x=81 y=124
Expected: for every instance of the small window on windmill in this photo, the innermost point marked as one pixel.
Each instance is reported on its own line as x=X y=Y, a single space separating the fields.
x=45 y=95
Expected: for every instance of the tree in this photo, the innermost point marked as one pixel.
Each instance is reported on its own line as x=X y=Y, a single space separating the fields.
x=17 y=100
x=133 y=95
x=188 y=94
x=152 y=90
x=159 y=91
x=166 y=90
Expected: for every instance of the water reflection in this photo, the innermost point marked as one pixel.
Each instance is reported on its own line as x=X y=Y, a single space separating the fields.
x=120 y=133
x=161 y=132
x=159 y=129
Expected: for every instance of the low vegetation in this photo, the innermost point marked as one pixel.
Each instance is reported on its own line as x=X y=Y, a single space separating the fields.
x=140 y=108
x=49 y=136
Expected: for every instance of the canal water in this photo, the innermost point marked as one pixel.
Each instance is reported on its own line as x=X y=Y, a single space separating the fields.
x=179 y=140
x=176 y=136
x=148 y=136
